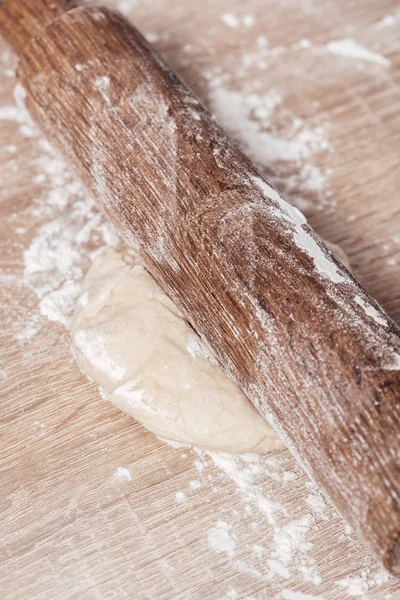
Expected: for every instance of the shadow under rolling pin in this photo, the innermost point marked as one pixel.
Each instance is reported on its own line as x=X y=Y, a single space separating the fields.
x=310 y=348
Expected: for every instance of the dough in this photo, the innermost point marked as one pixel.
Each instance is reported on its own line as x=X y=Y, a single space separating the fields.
x=133 y=341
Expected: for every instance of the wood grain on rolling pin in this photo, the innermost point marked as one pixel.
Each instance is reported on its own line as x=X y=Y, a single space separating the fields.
x=313 y=352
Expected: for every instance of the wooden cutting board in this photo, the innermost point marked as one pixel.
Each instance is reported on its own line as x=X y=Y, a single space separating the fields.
x=92 y=505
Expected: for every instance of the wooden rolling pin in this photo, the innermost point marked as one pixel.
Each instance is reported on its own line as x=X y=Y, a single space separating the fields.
x=309 y=347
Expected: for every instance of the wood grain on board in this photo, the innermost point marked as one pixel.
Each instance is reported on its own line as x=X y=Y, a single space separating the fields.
x=70 y=529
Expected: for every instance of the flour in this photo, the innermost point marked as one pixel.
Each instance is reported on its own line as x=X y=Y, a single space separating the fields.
x=389 y=20
x=30 y=329
x=197 y=347
x=291 y=539
x=60 y=251
x=97 y=352
x=122 y=474
x=195 y=484
x=317 y=503
x=290 y=154
x=59 y=304
x=359 y=585
x=289 y=552
x=222 y=539
x=277 y=567
x=302 y=236
x=245 y=471
x=125 y=6
x=371 y=311
x=351 y=49
x=12 y=113
x=232 y=20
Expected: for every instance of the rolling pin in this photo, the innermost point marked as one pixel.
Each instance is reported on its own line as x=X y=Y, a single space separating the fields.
x=314 y=353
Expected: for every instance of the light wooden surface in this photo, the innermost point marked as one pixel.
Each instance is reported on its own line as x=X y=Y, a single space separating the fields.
x=69 y=529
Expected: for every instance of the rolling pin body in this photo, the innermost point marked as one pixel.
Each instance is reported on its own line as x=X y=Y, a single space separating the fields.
x=304 y=341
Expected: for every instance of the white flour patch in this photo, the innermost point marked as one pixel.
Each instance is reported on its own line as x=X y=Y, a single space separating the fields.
x=371 y=311
x=59 y=304
x=197 y=347
x=359 y=585
x=95 y=348
x=277 y=567
x=289 y=154
x=122 y=474
x=354 y=586
x=152 y=37
x=245 y=471
x=302 y=236
x=389 y=20
x=222 y=539
x=125 y=6
x=394 y=365
x=180 y=497
x=316 y=502
x=291 y=539
x=351 y=49
x=291 y=546
x=30 y=329
x=232 y=20
x=73 y=227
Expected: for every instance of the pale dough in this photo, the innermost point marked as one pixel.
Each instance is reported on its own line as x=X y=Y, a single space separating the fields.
x=131 y=339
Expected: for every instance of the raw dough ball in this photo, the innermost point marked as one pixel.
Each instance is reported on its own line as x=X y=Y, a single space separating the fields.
x=133 y=341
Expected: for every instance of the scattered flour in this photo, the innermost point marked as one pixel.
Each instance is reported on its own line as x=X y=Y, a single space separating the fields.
x=122 y=474
x=152 y=37
x=180 y=497
x=195 y=484
x=232 y=20
x=125 y=6
x=351 y=49
x=222 y=539
x=245 y=471
x=389 y=20
x=277 y=567
x=316 y=502
x=291 y=539
x=360 y=585
x=289 y=552
x=73 y=227
x=288 y=154
x=303 y=238
x=371 y=311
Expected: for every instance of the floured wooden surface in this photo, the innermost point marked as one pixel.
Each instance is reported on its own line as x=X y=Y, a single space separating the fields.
x=92 y=505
